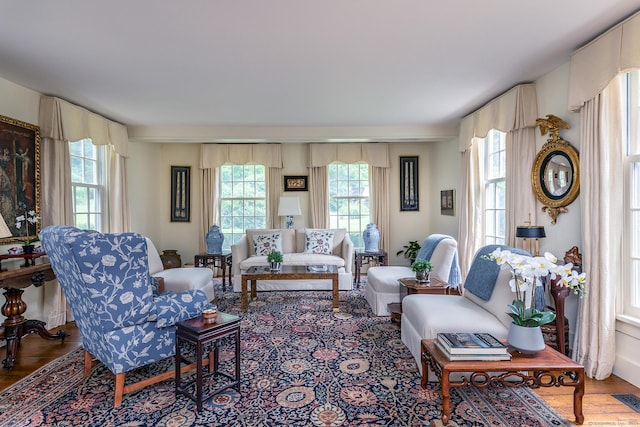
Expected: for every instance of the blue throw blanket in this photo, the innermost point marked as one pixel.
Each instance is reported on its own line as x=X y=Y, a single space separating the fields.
x=426 y=251
x=483 y=272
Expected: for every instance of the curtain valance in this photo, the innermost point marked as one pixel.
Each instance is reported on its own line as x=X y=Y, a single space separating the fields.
x=375 y=154
x=63 y=121
x=515 y=109
x=596 y=64
x=216 y=155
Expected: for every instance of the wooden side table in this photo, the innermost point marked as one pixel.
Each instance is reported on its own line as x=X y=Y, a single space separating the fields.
x=222 y=261
x=367 y=258
x=409 y=286
x=547 y=368
x=200 y=337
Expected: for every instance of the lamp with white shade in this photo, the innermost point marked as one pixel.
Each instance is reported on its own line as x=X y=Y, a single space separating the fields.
x=4 y=229
x=289 y=207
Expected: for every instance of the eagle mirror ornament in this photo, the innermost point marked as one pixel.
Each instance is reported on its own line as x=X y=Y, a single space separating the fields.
x=555 y=175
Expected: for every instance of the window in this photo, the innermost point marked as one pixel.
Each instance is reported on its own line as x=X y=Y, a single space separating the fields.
x=631 y=291
x=87 y=184
x=493 y=149
x=349 y=199
x=243 y=200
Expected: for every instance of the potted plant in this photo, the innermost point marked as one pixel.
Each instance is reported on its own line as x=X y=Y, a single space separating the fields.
x=28 y=218
x=422 y=269
x=525 y=334
x=275 y=260
x=410 y=250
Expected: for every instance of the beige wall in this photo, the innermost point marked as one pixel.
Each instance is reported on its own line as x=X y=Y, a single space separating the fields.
x=151 y=217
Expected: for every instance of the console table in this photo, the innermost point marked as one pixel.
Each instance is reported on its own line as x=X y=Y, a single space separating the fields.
x=15 y=326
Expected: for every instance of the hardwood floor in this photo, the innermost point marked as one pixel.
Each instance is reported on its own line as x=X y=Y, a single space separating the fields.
x=599 y=406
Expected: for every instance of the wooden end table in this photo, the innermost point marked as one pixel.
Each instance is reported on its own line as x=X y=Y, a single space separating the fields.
x=203 y=338
x=222 y=261
x=363 y=258
x=290 y=272
x=410 y=286
x=547 y=368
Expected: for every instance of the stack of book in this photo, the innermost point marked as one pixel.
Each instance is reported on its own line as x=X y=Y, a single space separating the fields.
x=471 y=346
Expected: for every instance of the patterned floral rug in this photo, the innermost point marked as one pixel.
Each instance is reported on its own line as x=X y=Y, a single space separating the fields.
x=301 y=365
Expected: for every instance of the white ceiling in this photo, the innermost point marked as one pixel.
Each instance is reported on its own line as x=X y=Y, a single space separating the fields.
x=291 y=63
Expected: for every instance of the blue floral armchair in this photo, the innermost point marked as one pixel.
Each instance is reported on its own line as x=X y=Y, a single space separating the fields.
x=122 y=320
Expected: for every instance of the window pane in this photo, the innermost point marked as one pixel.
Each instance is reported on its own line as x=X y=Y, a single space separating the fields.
x=494 y=155
x=242 y=200
x=349 y=199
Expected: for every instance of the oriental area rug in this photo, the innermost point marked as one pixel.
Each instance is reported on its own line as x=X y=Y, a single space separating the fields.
x=301 y=365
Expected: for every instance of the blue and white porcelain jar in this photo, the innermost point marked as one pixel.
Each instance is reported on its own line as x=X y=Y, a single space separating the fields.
x=214 y=238
x=371 y=237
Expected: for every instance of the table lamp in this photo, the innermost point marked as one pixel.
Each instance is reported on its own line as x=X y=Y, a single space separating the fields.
x=4 y=230
x=531 y=232
x=288 y=207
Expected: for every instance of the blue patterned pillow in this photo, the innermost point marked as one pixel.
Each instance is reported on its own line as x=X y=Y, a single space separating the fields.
x=263 y=244
x=318 y=241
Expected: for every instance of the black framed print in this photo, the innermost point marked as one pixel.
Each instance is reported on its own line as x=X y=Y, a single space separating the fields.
x=409 y=184
x=295 y=183
x=447 y=202
x=180 y=193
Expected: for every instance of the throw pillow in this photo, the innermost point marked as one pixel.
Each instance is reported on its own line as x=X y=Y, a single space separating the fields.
x=318 y=241
x=263 y=244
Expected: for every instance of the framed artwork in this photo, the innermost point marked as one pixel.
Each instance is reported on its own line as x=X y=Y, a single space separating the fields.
x=409 y=184
x=447 y=202
x=19 y=176
x=180 y=193
x=295 y=183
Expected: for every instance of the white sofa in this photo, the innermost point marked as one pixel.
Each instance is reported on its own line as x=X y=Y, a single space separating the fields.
x=382 y=282
x=182 y=278
x=293 y=242
x=424 y=316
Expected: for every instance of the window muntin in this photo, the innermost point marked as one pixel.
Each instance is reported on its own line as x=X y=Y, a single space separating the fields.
x=349 y=199
x=243 y=200
x=494 y=154
x=87 y=184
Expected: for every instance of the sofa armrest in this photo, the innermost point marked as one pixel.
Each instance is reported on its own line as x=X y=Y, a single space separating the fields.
x=239 y=252
x=347 y=253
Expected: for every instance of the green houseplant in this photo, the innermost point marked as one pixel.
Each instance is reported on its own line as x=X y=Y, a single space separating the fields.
x=422 y=269
x=275 y=260
x=410 y=250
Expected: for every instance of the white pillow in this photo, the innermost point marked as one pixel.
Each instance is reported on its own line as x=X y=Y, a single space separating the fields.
x=318 y=241
x=263 y=244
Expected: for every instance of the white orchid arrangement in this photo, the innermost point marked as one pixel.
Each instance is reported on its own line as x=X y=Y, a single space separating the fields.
x=527 y=272
x=32 y=217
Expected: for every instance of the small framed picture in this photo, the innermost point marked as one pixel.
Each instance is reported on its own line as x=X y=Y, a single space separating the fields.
x=447 y=202
x=180 y=193
x=295 y=183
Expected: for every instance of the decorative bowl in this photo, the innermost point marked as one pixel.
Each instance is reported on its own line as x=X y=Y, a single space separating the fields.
x=209 y=314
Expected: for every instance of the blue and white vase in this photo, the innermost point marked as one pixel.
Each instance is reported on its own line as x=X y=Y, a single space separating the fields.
x=371 y=237
x=214 y=238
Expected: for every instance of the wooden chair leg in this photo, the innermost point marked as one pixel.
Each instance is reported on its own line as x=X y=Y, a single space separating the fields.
x=117 y=401
x=88 y=363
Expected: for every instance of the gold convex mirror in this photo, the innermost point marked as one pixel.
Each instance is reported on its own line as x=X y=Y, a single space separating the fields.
x=555 y=175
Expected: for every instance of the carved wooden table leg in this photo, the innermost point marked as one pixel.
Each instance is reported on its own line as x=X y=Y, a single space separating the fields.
x=16 y=326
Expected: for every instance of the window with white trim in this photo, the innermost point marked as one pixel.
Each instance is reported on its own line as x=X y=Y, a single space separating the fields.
x=349 y=199
x=494 y=159
x=88 y=184
x=243 y=200
x=631 y=234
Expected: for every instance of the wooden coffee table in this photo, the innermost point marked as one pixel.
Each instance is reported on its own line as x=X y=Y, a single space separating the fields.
x=548 y=368
x=290 y=272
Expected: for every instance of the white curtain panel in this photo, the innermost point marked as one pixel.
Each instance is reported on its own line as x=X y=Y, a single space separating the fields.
x=601 y=160
x=319 y=197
